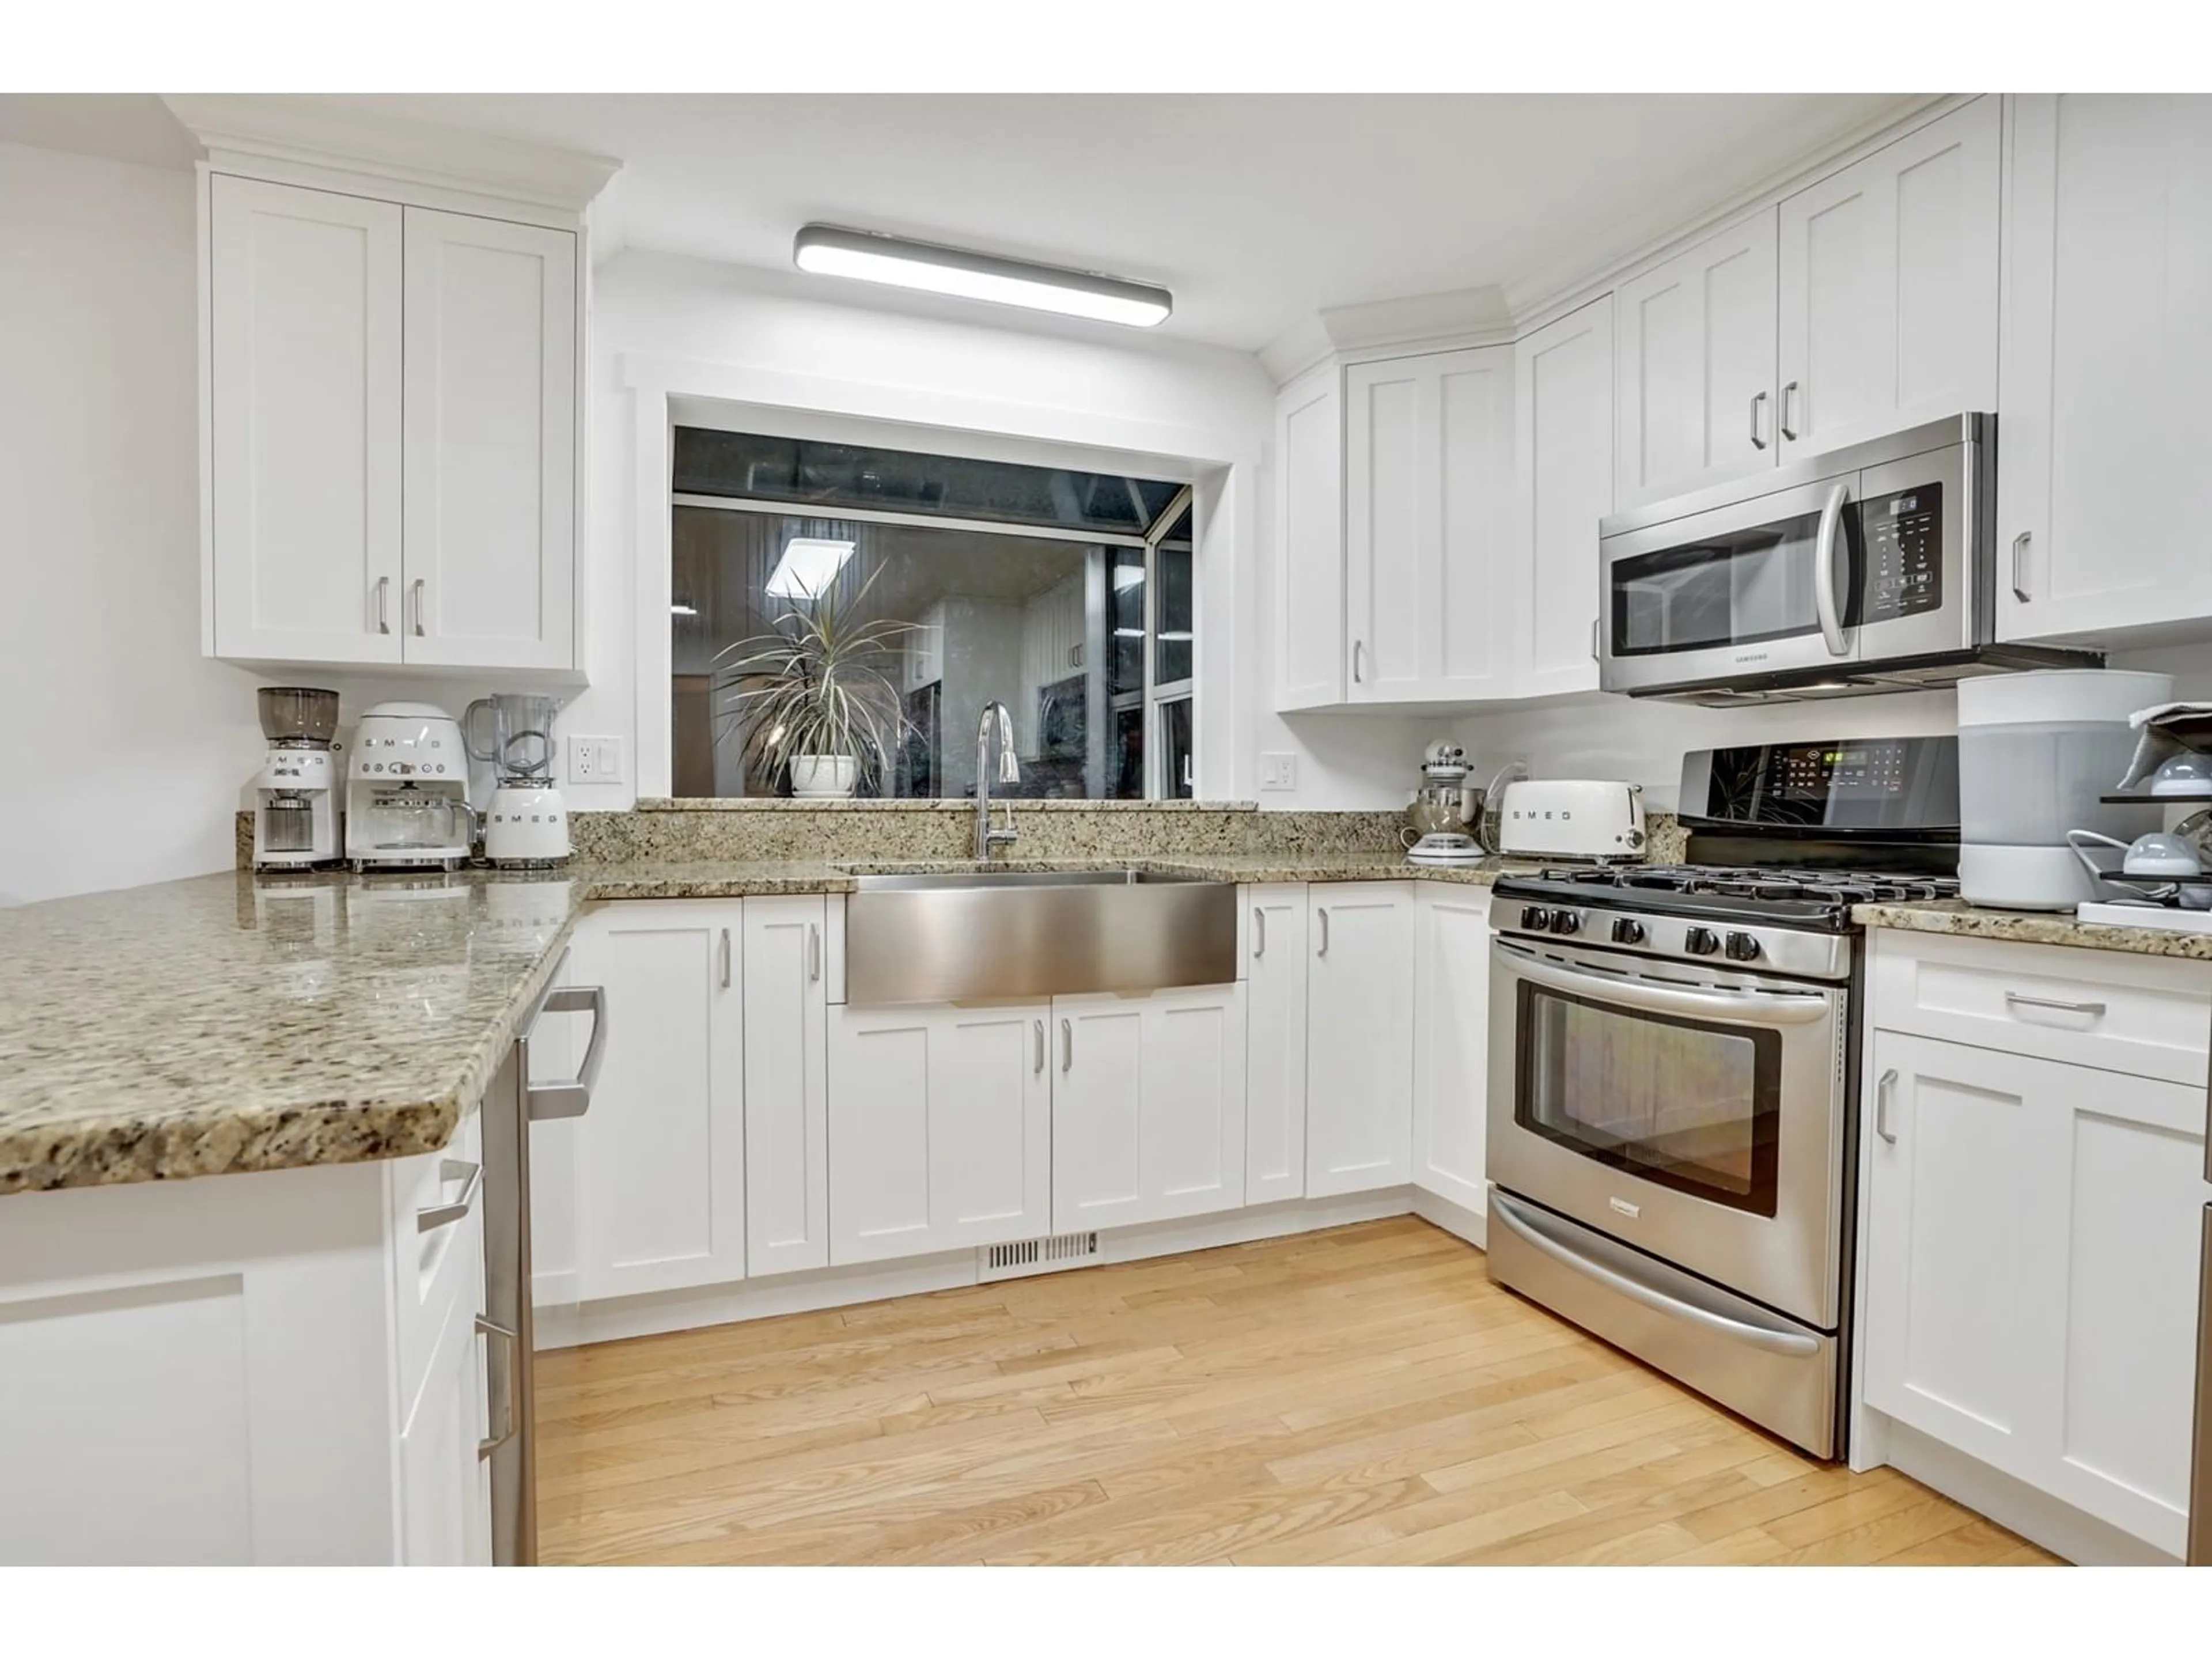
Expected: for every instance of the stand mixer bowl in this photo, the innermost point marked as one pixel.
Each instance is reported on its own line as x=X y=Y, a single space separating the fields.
x=298 y=716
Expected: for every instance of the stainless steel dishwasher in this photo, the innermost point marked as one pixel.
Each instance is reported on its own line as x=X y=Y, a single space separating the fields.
x=510 y=1106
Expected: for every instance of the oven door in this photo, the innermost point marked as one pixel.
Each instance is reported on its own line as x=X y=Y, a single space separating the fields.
x=1696 y=1115
x=1759 y=587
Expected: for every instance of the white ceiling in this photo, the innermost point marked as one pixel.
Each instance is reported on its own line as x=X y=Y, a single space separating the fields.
x=1256 y=209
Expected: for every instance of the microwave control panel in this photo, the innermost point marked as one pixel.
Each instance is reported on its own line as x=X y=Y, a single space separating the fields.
x=1903 y=534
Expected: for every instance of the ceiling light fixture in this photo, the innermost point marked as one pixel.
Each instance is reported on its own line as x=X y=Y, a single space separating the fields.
x=807 y=567
x=828 y=251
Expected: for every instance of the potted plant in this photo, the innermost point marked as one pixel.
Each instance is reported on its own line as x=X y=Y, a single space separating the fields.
x=814 y=697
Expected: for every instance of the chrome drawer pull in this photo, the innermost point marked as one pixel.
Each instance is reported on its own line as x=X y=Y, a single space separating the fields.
x=1882 y=1105
x=2094 y=1009
x=1039 y=1067
x=1067 y=1047
x=429 y=1219
x=2020 y=567
x=1259 y=933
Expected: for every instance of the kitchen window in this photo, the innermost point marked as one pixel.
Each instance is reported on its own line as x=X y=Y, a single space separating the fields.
x=1067 y=596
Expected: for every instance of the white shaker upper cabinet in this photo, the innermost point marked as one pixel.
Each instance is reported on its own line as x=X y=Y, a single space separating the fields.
x=1308 y=565
x=2107 y=351
x=1562 y=486
x=303 y=390
x=1889 y=288
x=1427 y=517
x=491 y=489
x=1695 y=373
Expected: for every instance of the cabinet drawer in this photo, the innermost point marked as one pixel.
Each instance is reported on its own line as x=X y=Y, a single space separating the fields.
x=433 y=1267
x=2145 y=1016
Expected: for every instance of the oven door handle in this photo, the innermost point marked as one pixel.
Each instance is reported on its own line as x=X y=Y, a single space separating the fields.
x=1735 y=1007
x=1824 y=573
x=1796 y=1343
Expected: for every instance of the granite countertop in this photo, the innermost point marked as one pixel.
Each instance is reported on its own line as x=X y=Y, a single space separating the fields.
x=2032 y=927
x=231 y=1022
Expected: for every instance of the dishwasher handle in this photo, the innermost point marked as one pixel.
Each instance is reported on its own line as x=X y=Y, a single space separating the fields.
x=542 y=1102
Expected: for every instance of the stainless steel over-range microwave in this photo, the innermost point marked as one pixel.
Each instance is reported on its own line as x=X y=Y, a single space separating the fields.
x=1871 y=569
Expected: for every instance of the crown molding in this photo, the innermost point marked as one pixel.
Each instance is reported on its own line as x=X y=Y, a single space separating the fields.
x=301 y=133
x=1304 y=345
x=1383 y=328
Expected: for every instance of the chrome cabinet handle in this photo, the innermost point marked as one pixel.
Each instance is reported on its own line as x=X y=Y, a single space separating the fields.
x=1823 y=572
x=434 y=1216
x=1067 y=1047
x=1259 y=933
x=1757 y=399
x=2094 y=1009
x=545 y=1100
x=1358 y=647
x=1039 y=1067
x=1789 y=396
x=383 y=605
x=2020 y=567
x=1594 y=639
x=418 y=607
x=1323 y=913
x=1882 y=1105
x=504 y=1426
x=725 y=958
x=814 y=953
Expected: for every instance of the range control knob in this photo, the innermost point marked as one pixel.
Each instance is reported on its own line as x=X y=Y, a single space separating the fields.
x=1627 y=931
x=1566 y=921
x=1741 y=947
x=1534 y=916
x=1700 y=942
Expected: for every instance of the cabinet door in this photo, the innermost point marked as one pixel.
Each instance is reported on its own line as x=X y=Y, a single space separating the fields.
x=1098 y=1113
x=787 y=1086
x=303 y=373
x=1309 y=566
x=940 y=1129
x=1275 y=1047
x=490 y=493
x=660 y=1157
x=2107 y=350
x=1451 y=1038
x=2032 y=1271
x=1696 y=367
x=1359 y=1036
x=1563 y=485
x=445 y=1488
x=1889 y=288
x=1427 y=510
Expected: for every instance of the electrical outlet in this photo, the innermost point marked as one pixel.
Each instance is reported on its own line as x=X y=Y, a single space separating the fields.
x=595 y=760
x=1279 y=771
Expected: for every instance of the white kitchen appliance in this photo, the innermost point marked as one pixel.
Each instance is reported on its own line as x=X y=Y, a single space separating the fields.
x=407 y=791
x=2038 y=754
x=296 y=815
x=1444 y=808
x=1570 y=819
x=526 y=823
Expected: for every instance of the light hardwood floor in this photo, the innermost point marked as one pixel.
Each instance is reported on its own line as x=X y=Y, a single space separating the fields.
x=1364 y=1394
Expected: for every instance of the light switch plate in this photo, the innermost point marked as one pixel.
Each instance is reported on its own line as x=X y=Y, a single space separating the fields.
x=595 y=760
x=1279 y=771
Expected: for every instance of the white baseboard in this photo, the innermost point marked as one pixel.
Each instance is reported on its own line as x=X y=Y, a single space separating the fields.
x=1438 y=1211
x=611 y=1321
x=2060 y=1528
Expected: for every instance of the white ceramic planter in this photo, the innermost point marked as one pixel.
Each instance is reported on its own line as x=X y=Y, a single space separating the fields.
x=824 y=777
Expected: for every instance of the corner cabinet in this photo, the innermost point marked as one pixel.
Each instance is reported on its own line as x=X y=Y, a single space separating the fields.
x=2107 y=351
x=391 y=426
x=1563 y=484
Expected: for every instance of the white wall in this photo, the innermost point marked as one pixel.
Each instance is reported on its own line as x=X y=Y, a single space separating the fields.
x=125 y=749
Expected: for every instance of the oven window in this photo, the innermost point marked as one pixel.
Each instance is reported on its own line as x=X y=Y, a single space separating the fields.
x=1736 y=589
x=1687 y=1104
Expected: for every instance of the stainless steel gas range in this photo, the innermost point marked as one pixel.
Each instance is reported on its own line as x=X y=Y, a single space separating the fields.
x=1674 y=1078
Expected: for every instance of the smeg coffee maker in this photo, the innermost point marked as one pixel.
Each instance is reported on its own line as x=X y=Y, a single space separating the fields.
x=296 y=812
x=407 y=791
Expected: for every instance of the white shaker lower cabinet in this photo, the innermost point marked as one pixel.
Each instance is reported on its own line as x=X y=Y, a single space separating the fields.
x=1451 y=1042
x=787 y=1086
x=940 y=1128
x=1359 y=1036
x=445 y=1487
x=1147 y=1106
x=2030 y=1295
x=1275 y=1042
x=660 y=1157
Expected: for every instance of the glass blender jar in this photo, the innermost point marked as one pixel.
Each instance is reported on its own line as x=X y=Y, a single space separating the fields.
x=527 y=825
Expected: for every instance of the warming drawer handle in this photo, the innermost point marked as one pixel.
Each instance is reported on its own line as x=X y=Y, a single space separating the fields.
x=1794 y=1343
x=572 y=1098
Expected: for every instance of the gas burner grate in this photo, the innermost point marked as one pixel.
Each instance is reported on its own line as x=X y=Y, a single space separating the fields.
x=1759 y=884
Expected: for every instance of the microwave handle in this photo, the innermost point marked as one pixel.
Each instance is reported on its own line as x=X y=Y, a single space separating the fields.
x=1823 y=572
